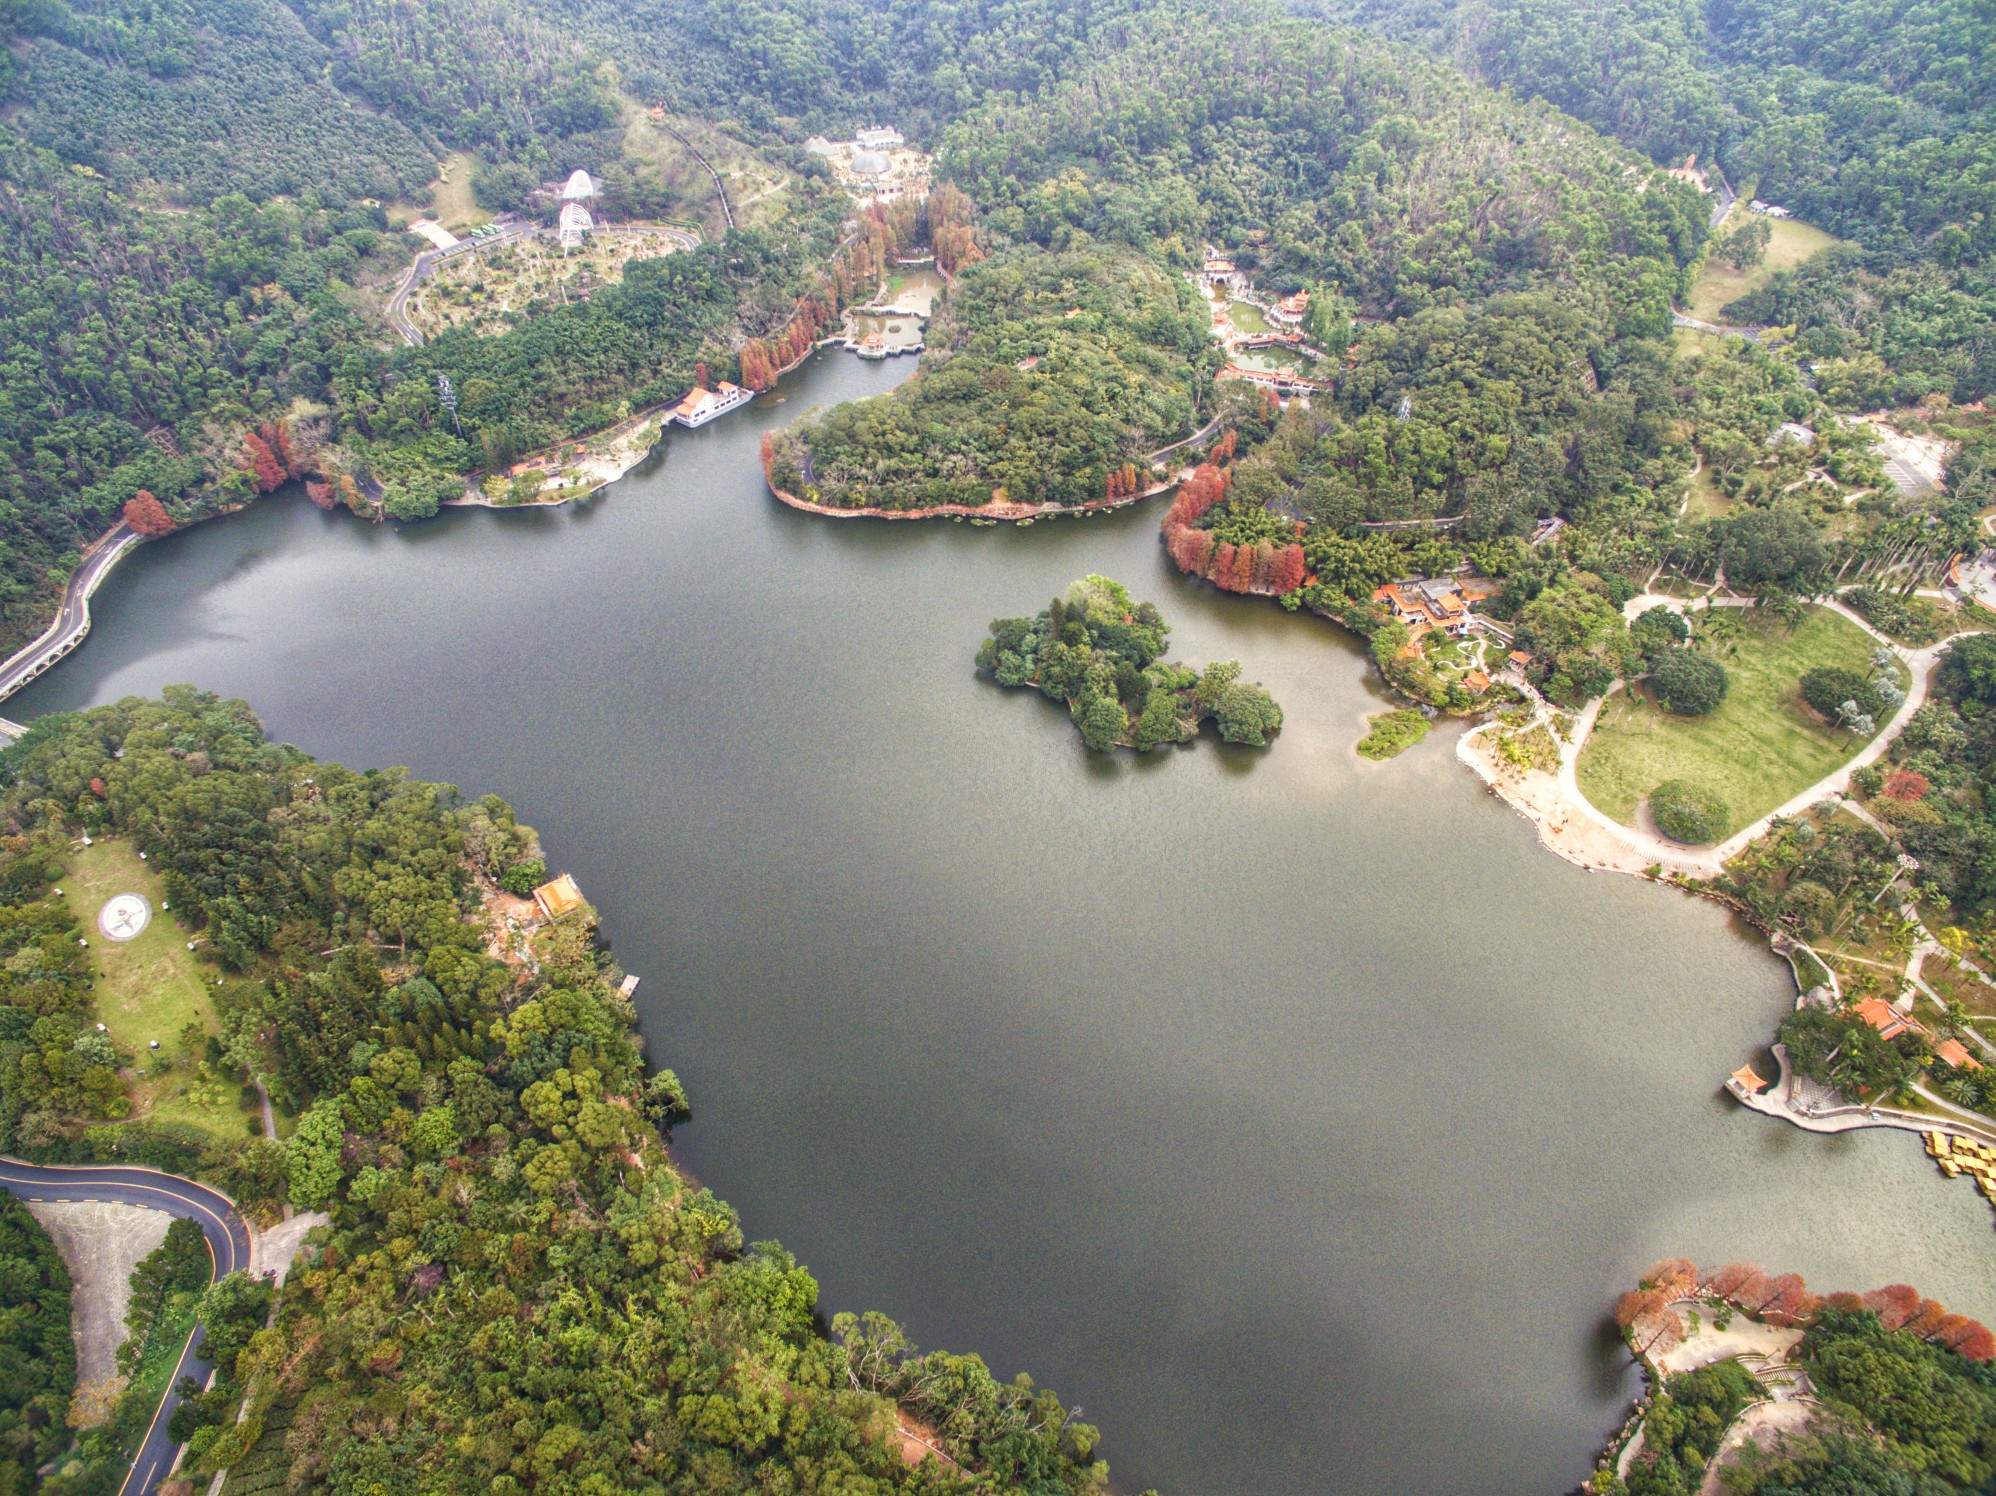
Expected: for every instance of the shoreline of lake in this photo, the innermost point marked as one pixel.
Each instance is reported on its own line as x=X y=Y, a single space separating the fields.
x=735 y=1020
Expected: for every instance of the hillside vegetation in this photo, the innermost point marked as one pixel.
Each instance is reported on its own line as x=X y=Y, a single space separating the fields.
x=1326 y=162
x=1875 y=122
x=1044 y=373
x=194 y=201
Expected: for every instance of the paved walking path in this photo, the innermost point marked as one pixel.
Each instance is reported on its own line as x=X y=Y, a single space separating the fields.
x=1759 y=1422
x=1708 y=862
x=1793 y=1098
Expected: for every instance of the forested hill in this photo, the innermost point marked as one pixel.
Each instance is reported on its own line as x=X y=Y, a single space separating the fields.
x=1480 y=270
x=133 y=339
x=832 y=64
x=195 y=240
x=202 y=98
x=1368 y=168
x=1873 y=118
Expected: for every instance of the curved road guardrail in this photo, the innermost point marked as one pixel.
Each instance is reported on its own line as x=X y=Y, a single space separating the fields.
x=72 y=619
x=229 y=1245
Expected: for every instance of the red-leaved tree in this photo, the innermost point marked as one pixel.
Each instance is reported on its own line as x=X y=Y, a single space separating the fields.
x=1928 y=1321
x=1192 y=550
x=1221 y=571
x=1974 y=1341
x=1788 y=1300
x=277 y=436
x=1907 y=785
x=262 y=463
x=1894 y=1304
x=147 y=515
x=1287 y=574
x=1725 y=1282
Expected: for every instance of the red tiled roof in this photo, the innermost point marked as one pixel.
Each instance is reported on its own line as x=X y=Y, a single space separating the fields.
x=1954 y=1052
x=1748 y=1080
x=1880 y=1015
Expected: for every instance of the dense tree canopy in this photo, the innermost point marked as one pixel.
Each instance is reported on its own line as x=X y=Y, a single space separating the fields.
x=1686 y=682
x=1874 y=120
x=1101 y=655
x=1045 y=374
x=34 y=1338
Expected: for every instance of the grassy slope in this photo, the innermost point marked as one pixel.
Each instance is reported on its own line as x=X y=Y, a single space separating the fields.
x=450 y=198
x=1760 y=748
x=1707 y=500
x=149 y=988
x=1793 y=242
x=758 y=188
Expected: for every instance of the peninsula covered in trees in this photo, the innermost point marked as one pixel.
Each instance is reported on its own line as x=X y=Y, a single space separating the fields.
x=1884 y=1393
x=1102 y=657
x=519 y=1290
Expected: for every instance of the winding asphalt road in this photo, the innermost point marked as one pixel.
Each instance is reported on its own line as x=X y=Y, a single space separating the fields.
x=72 y=619
x=428 y=260
x=228 y=1239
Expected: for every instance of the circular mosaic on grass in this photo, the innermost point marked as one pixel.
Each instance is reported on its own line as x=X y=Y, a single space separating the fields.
x=124 y=916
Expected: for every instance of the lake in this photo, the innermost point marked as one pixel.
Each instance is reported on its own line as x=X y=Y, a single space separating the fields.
x=1296 y=1116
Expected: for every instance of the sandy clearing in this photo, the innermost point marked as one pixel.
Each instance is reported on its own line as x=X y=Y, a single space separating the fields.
x=1708 y=1343
x=100 y=1243
x=275 y=1250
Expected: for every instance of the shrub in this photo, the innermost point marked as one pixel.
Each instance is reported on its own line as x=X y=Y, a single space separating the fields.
x=1906 y=784
x=1689 y=684
x=1247 y=714
x=523 y=877
x=1658 y=629
x=1828 y=687
x=1687 y=814
x=1101 y=720
x=1392 y=733
x=1913 y=620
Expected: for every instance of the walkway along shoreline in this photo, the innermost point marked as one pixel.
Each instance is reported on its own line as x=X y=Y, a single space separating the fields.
x=72 y=615
x=1571 y=827
x=72 y=618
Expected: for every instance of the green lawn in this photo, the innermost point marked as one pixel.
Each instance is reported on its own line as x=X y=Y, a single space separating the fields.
x=1793 y=242
x=1759 y=749
x=1707 y=500
x=450 y=197
x=150 y=988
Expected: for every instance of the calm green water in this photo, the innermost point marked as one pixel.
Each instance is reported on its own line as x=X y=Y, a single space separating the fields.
x=1296 y=1116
